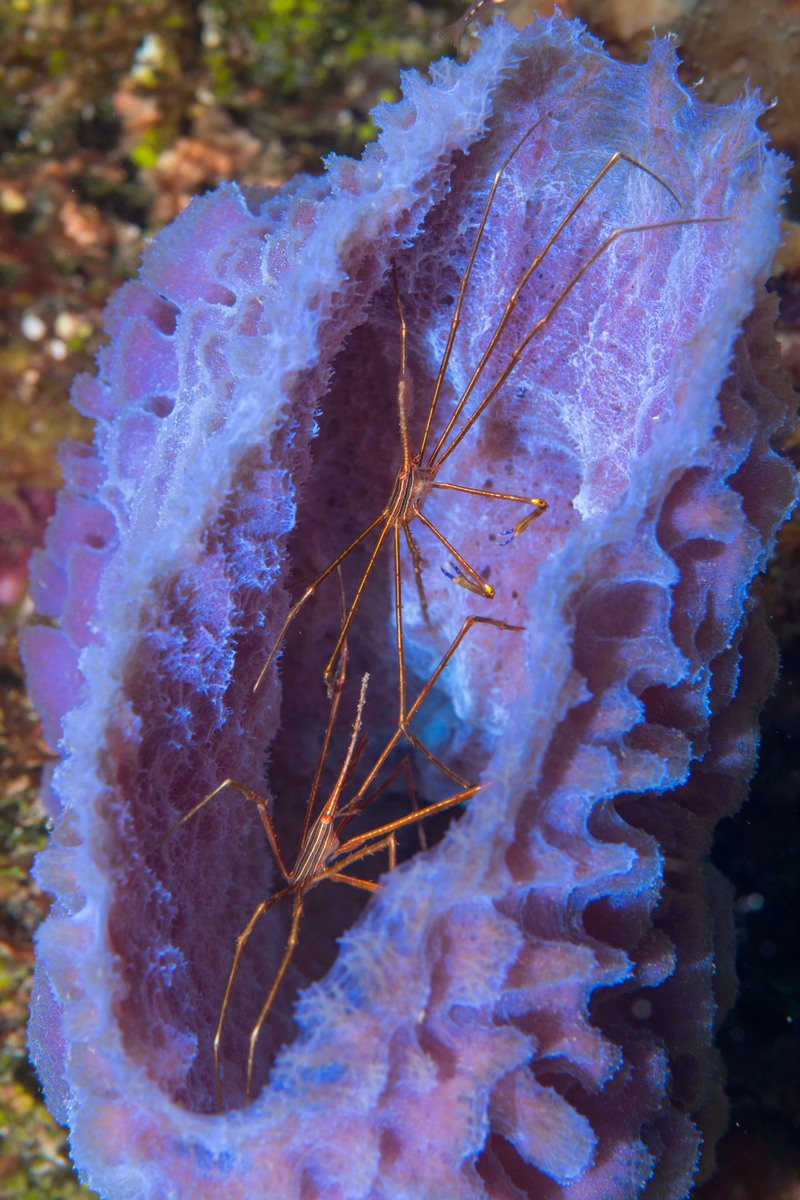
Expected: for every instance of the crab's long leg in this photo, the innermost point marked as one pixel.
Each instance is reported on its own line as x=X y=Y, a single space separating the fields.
x=364 y=884
x=241 y=942
x=351 y=810
x=438 y=456
x=297 y=912
x=539 y=506
x=416 y=561
x=456 y=642
x=359 y=592
x=479 y=586
x=540 y=324
x=404 y=382
x=412 y=795
x=456 y=487
x=423 y=749
x=456 y=320
x=308 y=593
x=398 y=610
x=337 y=695
x=249 y=794
x=347 y=848
x=384 y=843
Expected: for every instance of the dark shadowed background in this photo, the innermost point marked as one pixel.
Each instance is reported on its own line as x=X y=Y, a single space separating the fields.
x=112 y=115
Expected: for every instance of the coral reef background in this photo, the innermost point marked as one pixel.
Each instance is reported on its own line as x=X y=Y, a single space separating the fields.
x=110 y=119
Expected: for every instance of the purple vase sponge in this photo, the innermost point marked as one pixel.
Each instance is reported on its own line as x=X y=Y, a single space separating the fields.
x=526 y=1009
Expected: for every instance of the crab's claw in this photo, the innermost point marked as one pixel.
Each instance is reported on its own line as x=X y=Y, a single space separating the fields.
x=539 y=507
x=478 y=589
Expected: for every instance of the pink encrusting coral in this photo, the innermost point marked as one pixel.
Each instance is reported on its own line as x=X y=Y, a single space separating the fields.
x=527 y=1009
